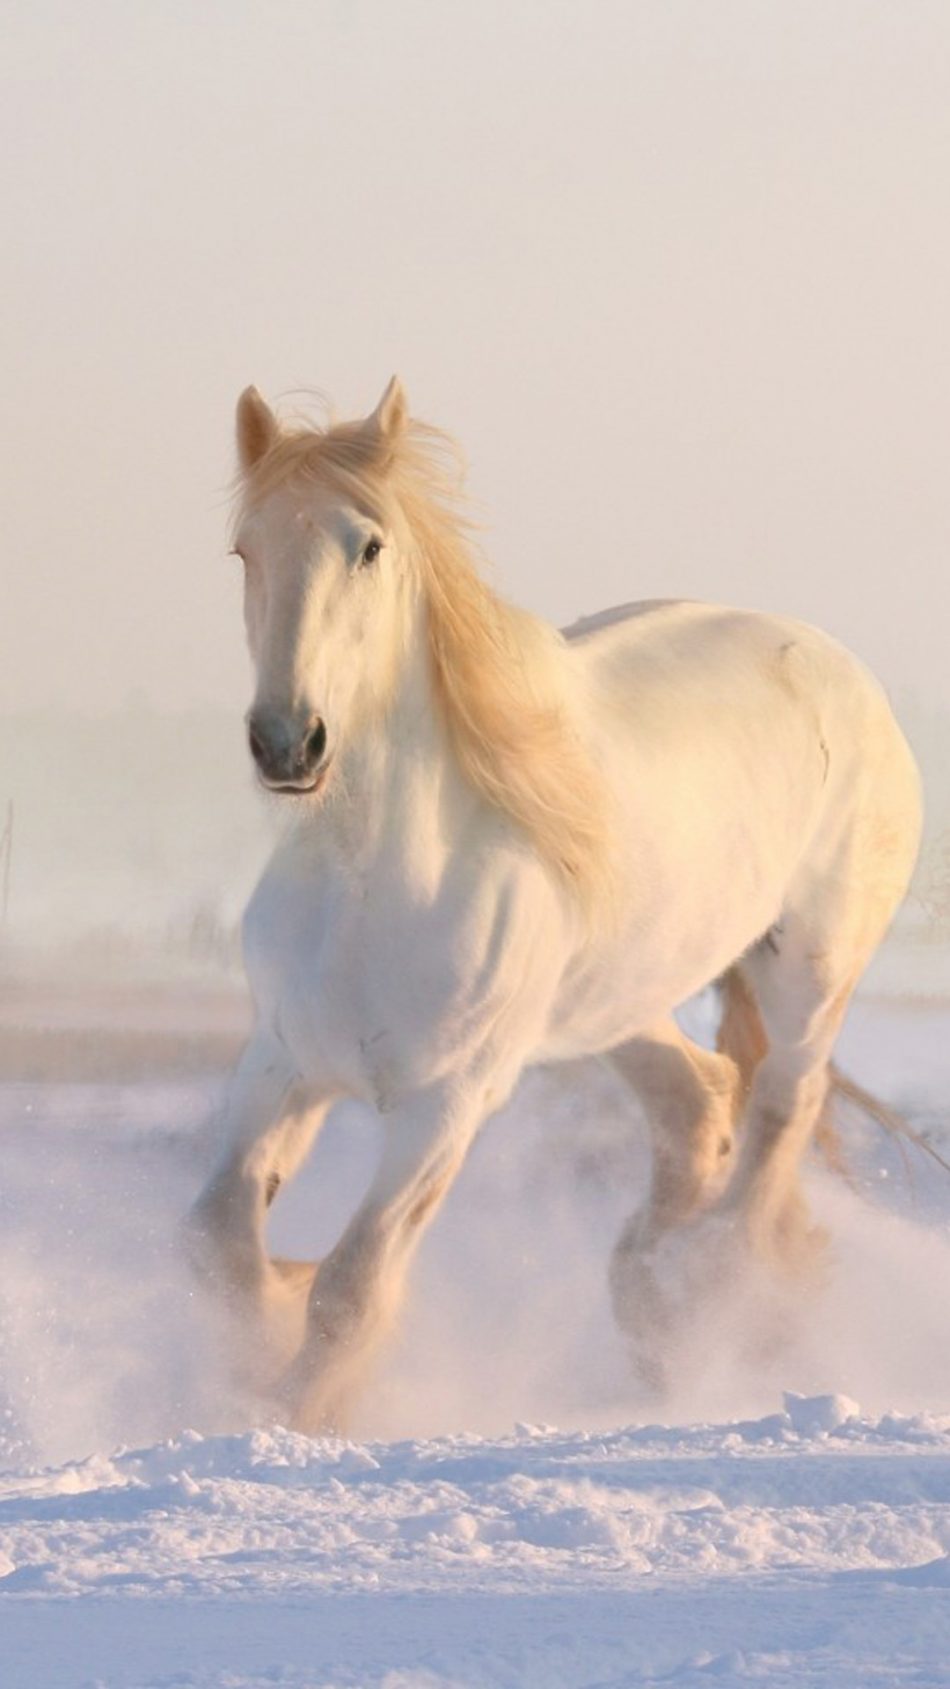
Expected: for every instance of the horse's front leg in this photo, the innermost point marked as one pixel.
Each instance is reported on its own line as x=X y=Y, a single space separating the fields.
x=358 y=1288
x=271 y=1119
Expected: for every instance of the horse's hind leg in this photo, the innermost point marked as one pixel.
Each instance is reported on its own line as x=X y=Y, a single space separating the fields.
x=802 y=984
x=803 y=974
x=741 y=1034
x=690 y=1097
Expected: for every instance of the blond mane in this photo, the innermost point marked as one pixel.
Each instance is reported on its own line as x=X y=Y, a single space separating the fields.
x=501 y=677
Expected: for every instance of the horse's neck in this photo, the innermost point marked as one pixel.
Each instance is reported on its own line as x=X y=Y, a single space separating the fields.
x=401 y=798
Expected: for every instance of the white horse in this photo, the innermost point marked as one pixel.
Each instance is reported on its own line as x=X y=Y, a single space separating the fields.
x=510 y=845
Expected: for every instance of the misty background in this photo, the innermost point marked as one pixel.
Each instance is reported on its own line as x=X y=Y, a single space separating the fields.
x=675 y=275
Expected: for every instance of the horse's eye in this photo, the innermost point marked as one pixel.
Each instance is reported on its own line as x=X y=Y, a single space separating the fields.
x=371 y=551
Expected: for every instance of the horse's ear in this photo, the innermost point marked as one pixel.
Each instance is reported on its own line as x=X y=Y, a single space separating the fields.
x=257 y=428
x=391 y=415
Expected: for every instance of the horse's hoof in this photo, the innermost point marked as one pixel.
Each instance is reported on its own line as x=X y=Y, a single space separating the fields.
x=311 y=1412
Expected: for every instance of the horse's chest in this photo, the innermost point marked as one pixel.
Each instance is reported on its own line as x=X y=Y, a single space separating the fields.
x=374 y=997
x=370 y=996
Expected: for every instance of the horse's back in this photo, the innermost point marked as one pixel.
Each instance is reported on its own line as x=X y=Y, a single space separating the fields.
x=617 y=615
x=681 y=665
x=674 y=632
x=746 y=737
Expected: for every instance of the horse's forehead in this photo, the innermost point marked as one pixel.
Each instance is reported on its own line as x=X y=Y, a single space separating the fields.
x=295 y=515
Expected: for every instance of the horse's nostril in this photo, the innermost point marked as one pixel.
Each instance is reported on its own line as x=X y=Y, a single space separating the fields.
x=316 y=743
x=285 y=755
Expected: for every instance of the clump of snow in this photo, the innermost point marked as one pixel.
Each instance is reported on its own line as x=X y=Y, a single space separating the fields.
x=813 y=1416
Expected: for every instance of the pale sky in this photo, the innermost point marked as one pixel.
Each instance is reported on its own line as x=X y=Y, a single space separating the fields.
x=676 y=273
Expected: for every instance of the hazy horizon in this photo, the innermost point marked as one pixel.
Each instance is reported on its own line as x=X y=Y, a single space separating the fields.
x=675 y=276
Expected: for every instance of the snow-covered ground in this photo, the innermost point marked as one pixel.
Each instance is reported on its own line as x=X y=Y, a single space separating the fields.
x=769 y=1531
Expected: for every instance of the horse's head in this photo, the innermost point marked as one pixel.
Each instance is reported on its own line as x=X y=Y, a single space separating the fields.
x=326 y=592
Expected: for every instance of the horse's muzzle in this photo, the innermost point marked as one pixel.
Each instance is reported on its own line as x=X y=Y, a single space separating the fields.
x=288 y=760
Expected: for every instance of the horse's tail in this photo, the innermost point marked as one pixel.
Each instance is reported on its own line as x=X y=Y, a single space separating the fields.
x=742 y=1037
x=892 y=1122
